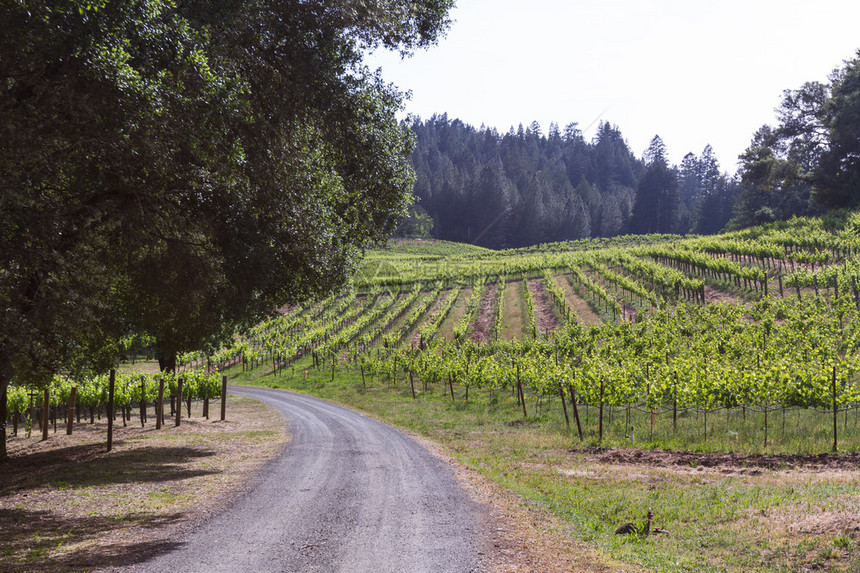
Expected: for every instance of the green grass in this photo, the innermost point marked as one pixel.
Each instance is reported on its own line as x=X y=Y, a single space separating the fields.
x=730 y=519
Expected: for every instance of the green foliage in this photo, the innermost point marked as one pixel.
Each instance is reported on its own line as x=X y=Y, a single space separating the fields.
x=129 y=388
x=764 y=353
x=812 y=153
x=179 y=170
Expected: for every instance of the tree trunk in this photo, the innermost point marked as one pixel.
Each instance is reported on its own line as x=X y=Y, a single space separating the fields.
x=167 y=361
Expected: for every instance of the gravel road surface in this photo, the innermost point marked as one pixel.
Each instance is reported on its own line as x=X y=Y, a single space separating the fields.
x=348 y=494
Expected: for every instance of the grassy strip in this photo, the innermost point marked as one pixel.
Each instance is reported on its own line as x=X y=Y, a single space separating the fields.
x=66 y=504
x=730 y=516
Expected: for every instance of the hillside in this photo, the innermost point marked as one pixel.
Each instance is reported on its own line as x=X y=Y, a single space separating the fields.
x=711 y=379
x=705 y=378
x=762 y=319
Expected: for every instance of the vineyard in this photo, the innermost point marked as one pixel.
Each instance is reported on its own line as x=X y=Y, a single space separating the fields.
x=667 y=337
x=739 y=352
x=142 y=395
x=751 y=334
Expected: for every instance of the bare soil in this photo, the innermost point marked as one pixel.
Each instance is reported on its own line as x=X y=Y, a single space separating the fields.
x=715 y=295
x=68 y=504
x=628 y=312
x=722 y=462
x=482 y=327
x=544 y=313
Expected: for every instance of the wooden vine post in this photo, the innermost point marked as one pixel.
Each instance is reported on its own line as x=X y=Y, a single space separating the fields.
x=563 y=404
x=575 y=410
x=159 y=406
x=46 y=404
x=854 y=288
x=835 y=411
x=142 y=404
x=675 y=405
x=179 y=402
x=600 y=414
x=223 y=398
x=520 y=392
x=70 y=418
x=111 y=383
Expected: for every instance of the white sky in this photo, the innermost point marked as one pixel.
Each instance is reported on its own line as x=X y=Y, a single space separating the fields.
x=690 y=71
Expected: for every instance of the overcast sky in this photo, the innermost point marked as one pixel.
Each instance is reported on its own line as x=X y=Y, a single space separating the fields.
x=692 y=72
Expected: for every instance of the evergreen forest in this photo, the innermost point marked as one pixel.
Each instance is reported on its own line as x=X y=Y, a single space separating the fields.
x=527 y=187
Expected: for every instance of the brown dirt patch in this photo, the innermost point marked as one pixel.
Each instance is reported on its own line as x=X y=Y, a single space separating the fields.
x=827 y=522
x=715 y=295
x=628 y=313
x=67 y=504
x=722 y=461
x=482 y=327
x=544 y=313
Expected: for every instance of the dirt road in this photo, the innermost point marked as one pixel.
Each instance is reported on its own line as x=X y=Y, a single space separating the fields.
x=349 y=494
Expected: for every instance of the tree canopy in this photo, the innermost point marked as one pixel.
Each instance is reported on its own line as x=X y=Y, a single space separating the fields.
x=811 y=159
x=181 y=168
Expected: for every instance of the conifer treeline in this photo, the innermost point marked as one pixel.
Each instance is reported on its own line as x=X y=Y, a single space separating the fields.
x=524 y=187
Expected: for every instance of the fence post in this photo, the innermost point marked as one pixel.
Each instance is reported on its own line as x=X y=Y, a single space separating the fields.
x=111 y=383
x=854 y=286
x=159 y=407
x=675 y=404
x=142 y=403
x=178 y=402
x=835 y=444
x=71 y=418
x=46 y=404
x=600 y=415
